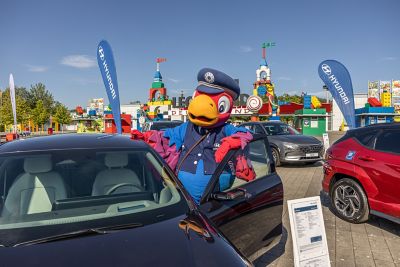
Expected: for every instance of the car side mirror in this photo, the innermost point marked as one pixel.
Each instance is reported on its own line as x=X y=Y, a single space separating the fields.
x=238 y=193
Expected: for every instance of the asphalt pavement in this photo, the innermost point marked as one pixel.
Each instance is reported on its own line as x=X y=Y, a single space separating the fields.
x=375 y=243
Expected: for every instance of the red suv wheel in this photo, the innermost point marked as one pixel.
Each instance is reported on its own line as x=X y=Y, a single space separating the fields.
x=349 y=201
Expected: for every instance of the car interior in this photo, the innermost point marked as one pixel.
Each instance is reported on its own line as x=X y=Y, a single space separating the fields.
x=97 y=182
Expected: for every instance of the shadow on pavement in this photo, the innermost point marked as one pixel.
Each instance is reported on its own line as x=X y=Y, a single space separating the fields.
x=301 y=165
x=385 y=225
x=382 y=223
x=273 y=253
x=325 y=201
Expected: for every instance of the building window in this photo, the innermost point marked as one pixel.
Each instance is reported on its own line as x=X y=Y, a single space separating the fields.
x=314 y=122
x=381 y=119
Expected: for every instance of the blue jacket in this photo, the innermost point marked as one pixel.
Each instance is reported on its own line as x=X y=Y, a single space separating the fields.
x=199 y=165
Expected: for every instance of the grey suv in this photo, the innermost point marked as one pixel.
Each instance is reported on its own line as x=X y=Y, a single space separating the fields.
x=287 y=144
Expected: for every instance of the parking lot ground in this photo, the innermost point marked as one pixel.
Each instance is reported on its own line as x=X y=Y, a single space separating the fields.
x=375 y=243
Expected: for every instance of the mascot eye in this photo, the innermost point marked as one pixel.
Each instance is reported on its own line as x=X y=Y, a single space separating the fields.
x=223 y=105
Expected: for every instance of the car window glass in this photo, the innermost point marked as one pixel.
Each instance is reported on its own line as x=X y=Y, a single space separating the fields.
x=88 y=187
x=258 y=129
x=255 y=156
x=280 y=129
x=164 y=125
x=366 y=138
x=388 y=142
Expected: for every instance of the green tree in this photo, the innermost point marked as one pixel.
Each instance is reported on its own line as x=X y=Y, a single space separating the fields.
x=39 y=92
x=61 y=114
x=22 y=107
x=40 y=115
x=291 y=98
x=22 y=92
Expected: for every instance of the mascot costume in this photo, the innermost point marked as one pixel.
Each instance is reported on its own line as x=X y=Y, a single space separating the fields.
x=194 y=149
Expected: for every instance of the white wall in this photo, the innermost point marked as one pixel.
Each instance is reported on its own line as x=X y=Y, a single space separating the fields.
x=337 y=116
x=132 y=110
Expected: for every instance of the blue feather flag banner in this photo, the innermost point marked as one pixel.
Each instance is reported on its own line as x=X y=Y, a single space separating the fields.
x=106 y=63
x=337 y=78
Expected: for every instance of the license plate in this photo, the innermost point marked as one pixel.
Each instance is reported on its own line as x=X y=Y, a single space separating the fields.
x=311 y=155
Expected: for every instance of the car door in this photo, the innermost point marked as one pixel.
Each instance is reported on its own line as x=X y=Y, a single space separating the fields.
x=249 y=214
x=381 y=160
x=386 y=159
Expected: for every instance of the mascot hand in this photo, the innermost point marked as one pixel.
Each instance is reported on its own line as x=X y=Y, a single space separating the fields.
x=137 y=135
x=227 y=144
x=244 y=170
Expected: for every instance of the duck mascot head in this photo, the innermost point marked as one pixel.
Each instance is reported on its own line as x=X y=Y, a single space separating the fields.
x=213 y=99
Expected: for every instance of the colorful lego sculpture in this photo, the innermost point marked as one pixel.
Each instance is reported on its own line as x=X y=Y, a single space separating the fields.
x=263 y=87
x=386 y=99
x=373 y=102
x=158 y=98
x=315 y=103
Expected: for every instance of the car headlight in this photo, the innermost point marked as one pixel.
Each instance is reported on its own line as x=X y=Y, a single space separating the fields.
x=290 y=146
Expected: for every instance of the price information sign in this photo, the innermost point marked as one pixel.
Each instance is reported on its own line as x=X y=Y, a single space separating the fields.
x=310 y=247
x=325 y=137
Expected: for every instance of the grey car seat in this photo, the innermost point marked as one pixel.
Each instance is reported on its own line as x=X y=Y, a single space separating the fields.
x=116 y=179
x=35 y=190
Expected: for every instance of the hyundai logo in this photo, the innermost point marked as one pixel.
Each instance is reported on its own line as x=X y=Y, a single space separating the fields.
x=325 y=68
x=101 y=53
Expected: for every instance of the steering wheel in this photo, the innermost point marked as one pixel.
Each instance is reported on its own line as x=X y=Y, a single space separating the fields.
x=115 y=187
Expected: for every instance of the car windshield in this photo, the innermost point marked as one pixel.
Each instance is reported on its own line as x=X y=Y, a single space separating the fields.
x=83 y=189
x=280 y=129
x=164 y=125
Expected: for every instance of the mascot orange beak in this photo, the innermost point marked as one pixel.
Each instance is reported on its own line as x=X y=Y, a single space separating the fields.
x=203 y=111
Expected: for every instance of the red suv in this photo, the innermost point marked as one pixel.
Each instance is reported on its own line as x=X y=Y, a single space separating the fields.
x=362 y=173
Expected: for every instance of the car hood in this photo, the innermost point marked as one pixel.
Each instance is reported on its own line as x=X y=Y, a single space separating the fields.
x=159 y=244
x=297 y=139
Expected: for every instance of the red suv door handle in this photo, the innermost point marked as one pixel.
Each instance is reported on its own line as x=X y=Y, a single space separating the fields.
x=366 y=158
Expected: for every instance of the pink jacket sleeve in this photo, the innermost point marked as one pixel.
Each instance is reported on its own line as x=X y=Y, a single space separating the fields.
x=161 y=145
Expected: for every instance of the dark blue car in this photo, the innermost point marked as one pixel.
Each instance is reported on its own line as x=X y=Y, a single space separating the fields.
x=105 y=200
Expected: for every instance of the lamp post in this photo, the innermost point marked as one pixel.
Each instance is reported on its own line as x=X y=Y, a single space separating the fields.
x=326 y=93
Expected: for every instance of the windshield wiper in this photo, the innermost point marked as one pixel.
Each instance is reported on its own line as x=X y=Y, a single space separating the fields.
x=84 y=232
x=108 y=229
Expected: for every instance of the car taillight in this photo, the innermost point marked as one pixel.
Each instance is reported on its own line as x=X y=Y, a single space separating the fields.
x=328 y=154
x=327 y=168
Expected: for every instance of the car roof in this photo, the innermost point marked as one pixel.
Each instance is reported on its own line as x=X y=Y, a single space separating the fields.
x=264 y=122
x=393 y=125
x=383 y=125
x=167 y=121
x=70 y=141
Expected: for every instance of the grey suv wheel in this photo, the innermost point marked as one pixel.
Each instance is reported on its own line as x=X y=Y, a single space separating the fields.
x=349 y=201
x=275 y=156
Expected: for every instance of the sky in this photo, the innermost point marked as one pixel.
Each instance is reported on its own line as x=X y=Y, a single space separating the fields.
x=54 y=42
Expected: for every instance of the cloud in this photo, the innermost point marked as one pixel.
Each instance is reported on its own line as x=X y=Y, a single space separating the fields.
x=33 y=68
x=283 y=78
x=388 y=58
x=79 y=61
x=173 y=80
x=245 y=48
